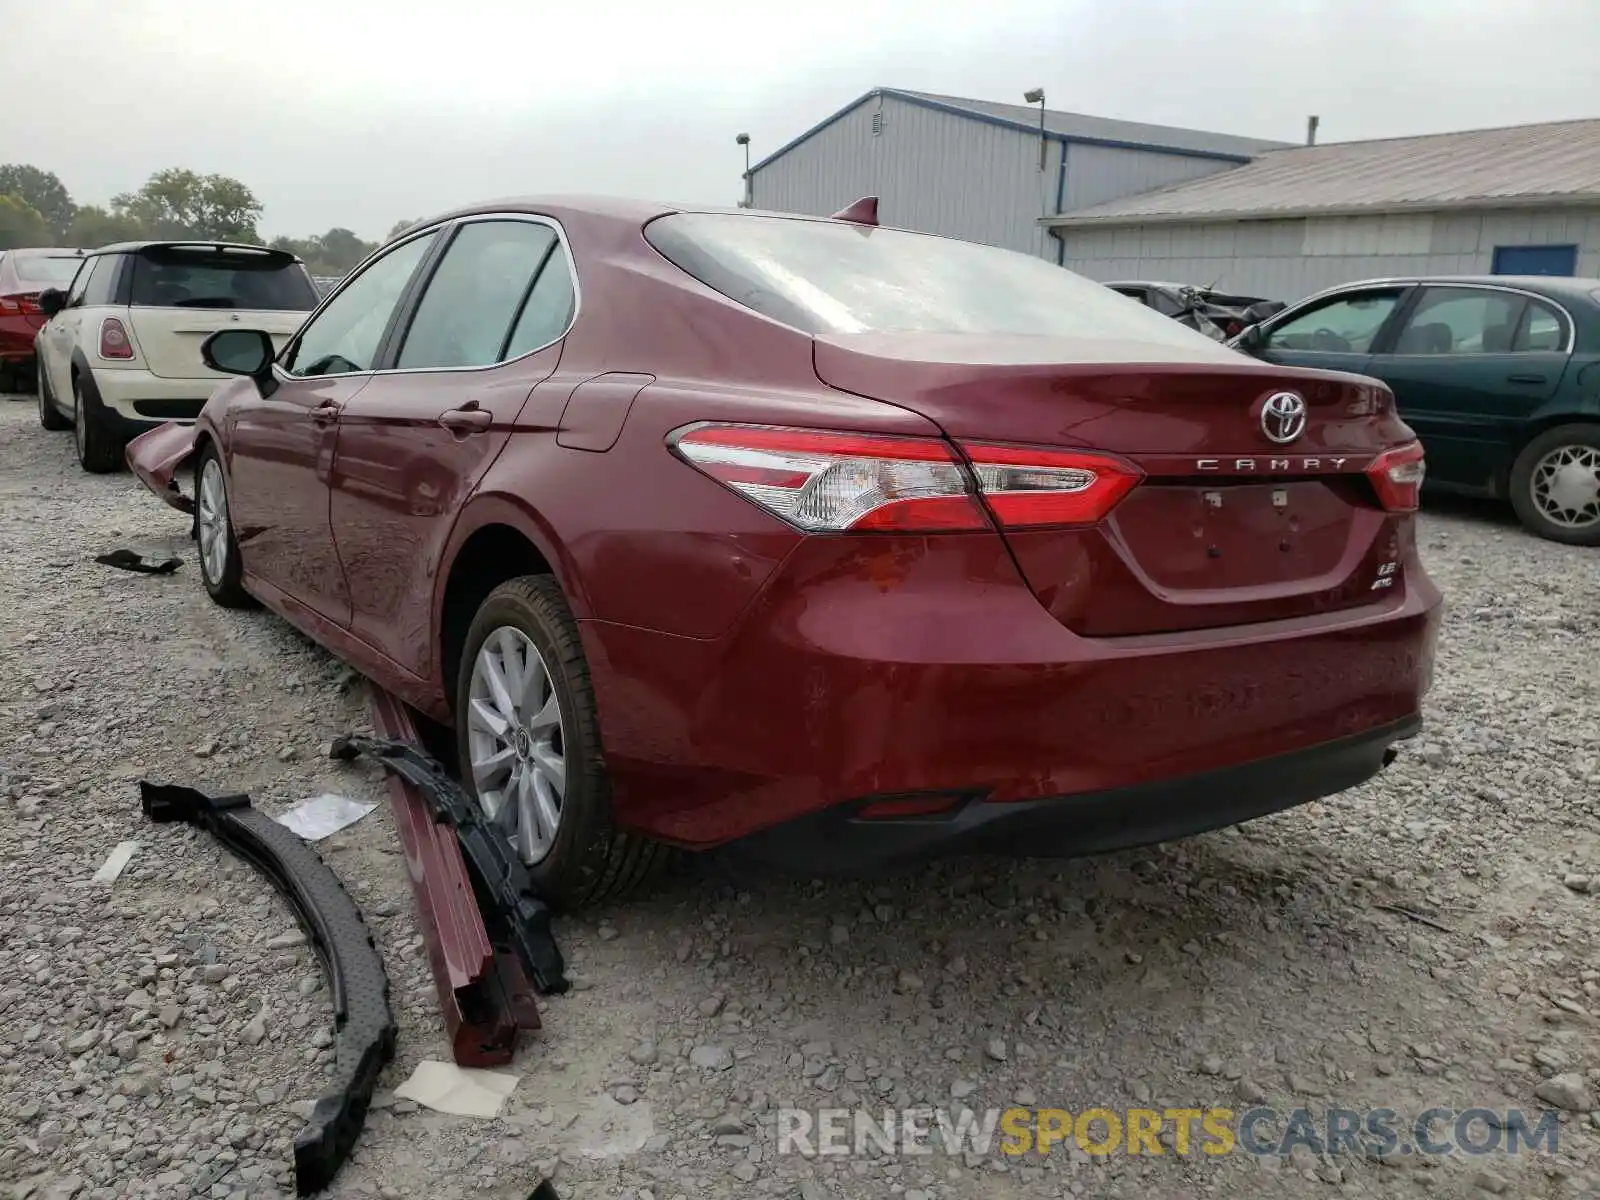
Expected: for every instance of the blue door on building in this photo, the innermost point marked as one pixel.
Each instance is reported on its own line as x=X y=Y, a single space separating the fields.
x=1535 y=260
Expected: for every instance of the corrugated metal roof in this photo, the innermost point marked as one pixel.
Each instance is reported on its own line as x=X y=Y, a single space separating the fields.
x=1517 y=165
x=1080 y=125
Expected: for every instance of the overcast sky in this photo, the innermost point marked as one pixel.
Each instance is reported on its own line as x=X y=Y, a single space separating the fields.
x=359 y=113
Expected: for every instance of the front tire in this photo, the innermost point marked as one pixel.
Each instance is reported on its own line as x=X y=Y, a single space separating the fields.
x=99 y=450
x=221 y=568
x=529 y=740
x=1555 y=485
x=49 y=415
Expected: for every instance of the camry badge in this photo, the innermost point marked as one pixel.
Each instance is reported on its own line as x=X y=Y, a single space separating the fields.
x=1283 y=417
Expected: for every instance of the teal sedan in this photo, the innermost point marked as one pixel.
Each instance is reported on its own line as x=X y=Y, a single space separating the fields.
x=1499 y=375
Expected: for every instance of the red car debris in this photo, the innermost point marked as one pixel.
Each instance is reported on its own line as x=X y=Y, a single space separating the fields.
x=842 y=544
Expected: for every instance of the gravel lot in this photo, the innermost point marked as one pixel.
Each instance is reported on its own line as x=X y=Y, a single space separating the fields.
x=158 y=1036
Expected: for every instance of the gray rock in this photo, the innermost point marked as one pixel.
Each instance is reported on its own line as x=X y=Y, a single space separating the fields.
x=711 y=1058
x=1568 y=1092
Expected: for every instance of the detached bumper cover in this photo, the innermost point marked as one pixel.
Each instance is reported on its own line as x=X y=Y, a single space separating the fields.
x=508 y=893
x=365 y=1028
x=155 y=457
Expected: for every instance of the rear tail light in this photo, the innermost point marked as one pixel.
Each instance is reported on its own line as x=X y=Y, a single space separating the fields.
x=23 y=303
x=828 y=482
x=1397 y=477
x=1026 y=486
x=114 y=341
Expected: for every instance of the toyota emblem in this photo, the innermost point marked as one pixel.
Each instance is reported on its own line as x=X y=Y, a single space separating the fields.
x=1283 y=417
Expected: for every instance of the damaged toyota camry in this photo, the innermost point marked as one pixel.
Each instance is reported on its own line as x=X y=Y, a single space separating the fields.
x=835 y=544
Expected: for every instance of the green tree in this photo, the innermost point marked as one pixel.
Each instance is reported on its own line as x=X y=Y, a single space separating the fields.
x=178 y=202
x=93 y=226
x=342 y=249
x=21 y=224
x=41 y=191
x=397 y=229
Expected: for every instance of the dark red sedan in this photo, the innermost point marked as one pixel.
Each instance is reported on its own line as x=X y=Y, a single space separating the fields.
x=842 y=543
x=23 y=275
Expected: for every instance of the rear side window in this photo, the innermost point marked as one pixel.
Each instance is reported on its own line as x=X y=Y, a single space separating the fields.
x=102 y=280
x=832 y=277
x=46 y=270
x=202 y=278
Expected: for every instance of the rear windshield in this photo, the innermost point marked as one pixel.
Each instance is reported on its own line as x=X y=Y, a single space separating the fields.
x=830 y=277
x=51 y=270
x=214 y=279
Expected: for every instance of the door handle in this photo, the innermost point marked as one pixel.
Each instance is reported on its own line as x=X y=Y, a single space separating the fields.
x=1525 y=379
x=466 y=419
x=325 y=413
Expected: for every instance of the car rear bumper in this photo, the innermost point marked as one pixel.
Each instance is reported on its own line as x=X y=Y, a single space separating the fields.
x=842 y=840
x=137 y=400
x=873 y=668
x=16 y=339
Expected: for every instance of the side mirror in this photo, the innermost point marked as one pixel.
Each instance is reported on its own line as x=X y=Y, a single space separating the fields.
x=51 y=301
x=1250 y=339
x=239 y=352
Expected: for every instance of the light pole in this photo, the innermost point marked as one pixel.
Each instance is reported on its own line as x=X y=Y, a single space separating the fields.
x=749 y=191
x=1036 y=96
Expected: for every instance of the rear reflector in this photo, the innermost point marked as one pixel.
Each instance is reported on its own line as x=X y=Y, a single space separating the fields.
x=828 y=482
x=1397 y=477
x=114 y=341
x=902 y=807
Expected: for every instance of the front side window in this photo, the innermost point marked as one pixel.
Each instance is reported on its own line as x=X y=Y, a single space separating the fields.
x=1461 y=321
x=345 y=336
x=80 y=281
x=466 y=315
x=1346 y=325
x=827 y=277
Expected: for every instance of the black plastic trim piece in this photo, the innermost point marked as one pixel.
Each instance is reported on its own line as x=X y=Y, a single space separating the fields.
x=364 y=1024
x=504 y=880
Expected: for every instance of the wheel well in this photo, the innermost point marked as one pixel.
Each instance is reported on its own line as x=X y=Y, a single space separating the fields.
x=487 y=559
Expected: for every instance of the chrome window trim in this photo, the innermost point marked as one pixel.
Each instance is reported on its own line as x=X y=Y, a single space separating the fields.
x=443 y=227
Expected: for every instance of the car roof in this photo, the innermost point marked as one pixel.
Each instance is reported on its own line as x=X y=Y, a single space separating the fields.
x=150 y=243
x=1551 y=285
x=581 y=209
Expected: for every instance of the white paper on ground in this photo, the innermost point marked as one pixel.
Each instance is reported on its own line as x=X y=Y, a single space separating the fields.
x=115 y=861
x=461 y=1091
x=316 y=818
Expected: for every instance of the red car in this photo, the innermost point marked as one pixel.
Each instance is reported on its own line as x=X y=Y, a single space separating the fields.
x=841 y=543
x=23 y=275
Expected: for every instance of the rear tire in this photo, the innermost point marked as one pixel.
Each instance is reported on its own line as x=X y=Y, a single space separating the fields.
x=221 y=568
x=1555 y=485
x=49 y=415
x=99 y=450
x=586 y=859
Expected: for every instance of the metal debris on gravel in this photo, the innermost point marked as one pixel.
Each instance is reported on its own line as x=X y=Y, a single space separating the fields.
x=157 y=1038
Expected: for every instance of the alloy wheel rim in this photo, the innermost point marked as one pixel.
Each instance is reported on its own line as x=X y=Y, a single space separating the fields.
x=516 y=742
x=211 y=504
x=1566 y=486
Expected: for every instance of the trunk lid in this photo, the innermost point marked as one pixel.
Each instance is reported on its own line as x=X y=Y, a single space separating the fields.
x=1227 y=525
x=181 y=293
x=170 y=338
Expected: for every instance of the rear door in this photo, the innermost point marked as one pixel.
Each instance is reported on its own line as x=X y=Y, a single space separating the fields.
x=1334 y=333
x=1469 y=366
x=178 y=295
x=482 y=330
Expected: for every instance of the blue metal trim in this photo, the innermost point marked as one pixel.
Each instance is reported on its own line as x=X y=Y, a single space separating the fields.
x=1061 y=198
x=1001 y=123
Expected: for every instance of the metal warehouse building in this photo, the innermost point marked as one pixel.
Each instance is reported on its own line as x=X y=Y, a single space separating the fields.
x=981 y=171
x=1121 y=200
x=1523 y=200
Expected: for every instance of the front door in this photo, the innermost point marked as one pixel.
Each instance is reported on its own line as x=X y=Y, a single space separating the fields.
x=282 y=444
x=1469 y=366
x=472 y=344
x=1336 y=333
